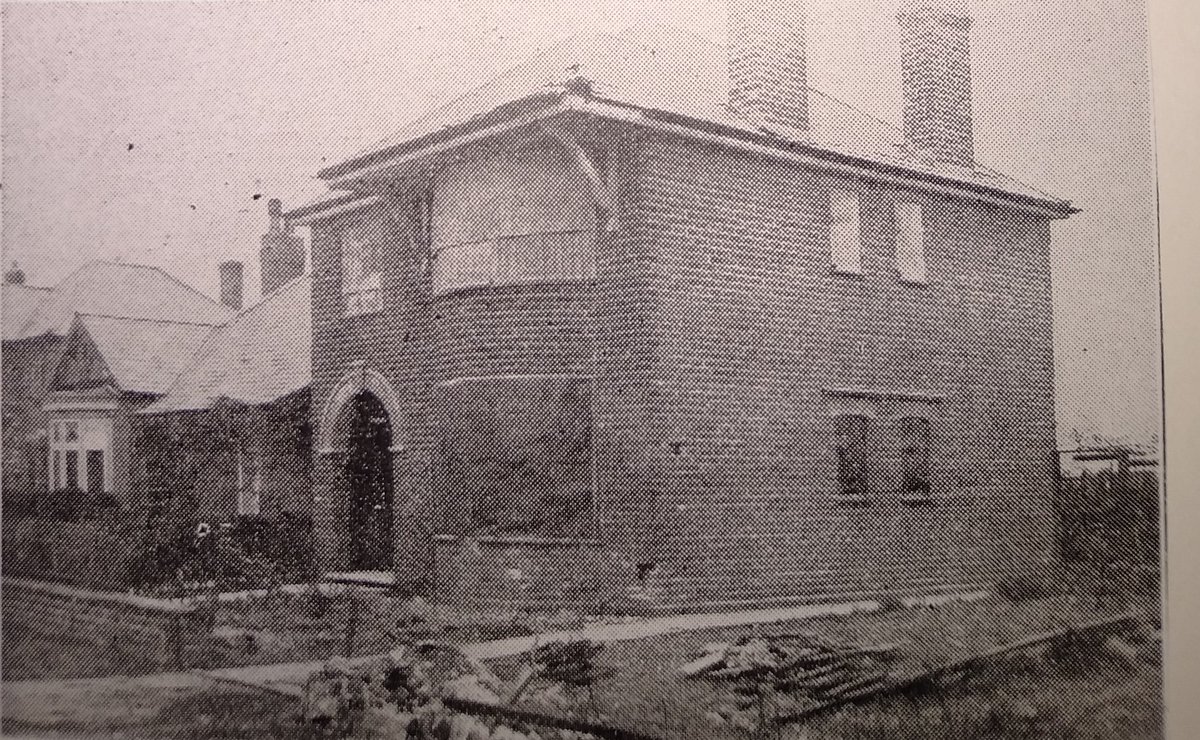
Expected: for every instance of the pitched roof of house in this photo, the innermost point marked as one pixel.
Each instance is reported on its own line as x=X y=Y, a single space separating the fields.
x=671 y=75
x=20 y=302
x=118 y=290
x=144 y=355
x=262 y=355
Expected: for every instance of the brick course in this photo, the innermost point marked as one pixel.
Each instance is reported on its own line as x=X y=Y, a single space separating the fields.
x=715 y=329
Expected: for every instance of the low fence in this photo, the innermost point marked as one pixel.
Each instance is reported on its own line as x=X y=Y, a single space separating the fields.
x=1109 y=517
x=153 y=630
x=92 y=554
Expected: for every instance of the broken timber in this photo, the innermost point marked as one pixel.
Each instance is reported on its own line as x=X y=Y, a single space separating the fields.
x=886 y=688
x=513 y=714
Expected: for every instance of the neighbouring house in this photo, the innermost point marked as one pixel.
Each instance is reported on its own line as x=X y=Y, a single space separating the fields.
x=656 y=314
x=233 y=427
x=78 y=358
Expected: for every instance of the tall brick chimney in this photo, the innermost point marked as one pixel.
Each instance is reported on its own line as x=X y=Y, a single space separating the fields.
x=231 y=283
x=282 y=254
x=767 y=78
x=935 y=55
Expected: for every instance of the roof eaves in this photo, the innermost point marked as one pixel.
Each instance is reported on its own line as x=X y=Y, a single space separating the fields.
x=511 y=115
x=767 y=143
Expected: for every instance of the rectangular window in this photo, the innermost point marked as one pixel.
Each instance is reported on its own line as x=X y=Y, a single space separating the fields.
x=56 y=469
x=361 y=244
x=845 y=235
x=72 y=470
x=851 y=434
x=249 y=483
x=95 y=471
x=916 y=437
x=910 y=243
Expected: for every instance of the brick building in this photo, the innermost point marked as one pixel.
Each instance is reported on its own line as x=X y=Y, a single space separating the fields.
x=620 y=322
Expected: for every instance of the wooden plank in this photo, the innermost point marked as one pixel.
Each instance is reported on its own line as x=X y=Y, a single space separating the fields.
x=512 y=714
x=886 y=688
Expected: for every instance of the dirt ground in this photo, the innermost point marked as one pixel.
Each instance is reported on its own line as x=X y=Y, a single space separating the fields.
x=1082 y=696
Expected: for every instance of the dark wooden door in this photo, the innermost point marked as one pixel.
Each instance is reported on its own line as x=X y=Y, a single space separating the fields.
x=369 y=472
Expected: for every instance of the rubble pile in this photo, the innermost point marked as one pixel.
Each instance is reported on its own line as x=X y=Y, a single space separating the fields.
x=408 y=691
x=787 y=673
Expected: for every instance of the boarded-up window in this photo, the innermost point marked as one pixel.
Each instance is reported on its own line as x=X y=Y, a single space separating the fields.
x=851 y=435
x=910 y=243
x=845 y=236
x=362 y=244
x=916 y=440
x=515 y=455
x=512 y=220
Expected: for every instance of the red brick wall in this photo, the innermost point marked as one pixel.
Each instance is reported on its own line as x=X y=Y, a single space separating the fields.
x=757 y=326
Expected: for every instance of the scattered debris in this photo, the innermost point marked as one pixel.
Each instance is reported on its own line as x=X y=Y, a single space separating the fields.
x=785 y=673
x=433 y=690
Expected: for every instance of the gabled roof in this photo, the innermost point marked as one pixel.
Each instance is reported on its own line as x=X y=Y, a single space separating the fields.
x=262 y=355
x=117 y=290
x=668 y=75
x=20 y=303
x=143 y=355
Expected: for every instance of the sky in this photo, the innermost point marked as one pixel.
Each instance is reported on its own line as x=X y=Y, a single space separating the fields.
x=144 y=132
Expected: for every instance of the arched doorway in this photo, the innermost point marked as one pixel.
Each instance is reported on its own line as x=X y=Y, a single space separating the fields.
x=369 y=482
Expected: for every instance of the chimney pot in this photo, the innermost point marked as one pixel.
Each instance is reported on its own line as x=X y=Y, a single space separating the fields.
x=14 y=275
x=935 y=52
x=231 y=274
x=767 y=76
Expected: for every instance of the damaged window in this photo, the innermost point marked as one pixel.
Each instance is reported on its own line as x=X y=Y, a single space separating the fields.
x=513 y=220
x=850 y=446
x=916 y=439
x=515 y=456
x=361 y=243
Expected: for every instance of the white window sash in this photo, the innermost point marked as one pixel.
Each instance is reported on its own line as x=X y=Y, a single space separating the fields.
x=845 y=235
x=910 y=243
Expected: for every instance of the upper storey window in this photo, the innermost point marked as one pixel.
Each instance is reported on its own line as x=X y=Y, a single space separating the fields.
x=361 y=245
x=845 y=235
x=910 y=243
x=520 y=218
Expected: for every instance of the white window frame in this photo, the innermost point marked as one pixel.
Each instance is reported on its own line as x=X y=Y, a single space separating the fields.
x=361 y=287
x=911 y=260
x=845 y=231
x=91 y=435
x=249 y=483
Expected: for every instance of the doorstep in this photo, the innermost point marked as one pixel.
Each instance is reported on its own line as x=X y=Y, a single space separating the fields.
x=371 y=578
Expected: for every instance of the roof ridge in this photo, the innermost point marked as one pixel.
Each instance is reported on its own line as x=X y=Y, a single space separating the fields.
x=152 y=320
x=269 y=298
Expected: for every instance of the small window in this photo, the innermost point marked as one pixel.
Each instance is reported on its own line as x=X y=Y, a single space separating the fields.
x=249 y=483
x=916 y=438
x=95 y=471
x=850 y=445
x=845 y=236
x=72 y=433
x=72 y=471
x=56 y=468
x=910 y=243
x=361 y=244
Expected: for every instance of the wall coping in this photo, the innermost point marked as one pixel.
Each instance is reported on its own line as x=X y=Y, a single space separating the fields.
x=145 y=603
x=501 y=541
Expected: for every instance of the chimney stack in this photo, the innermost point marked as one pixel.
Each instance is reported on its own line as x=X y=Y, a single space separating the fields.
x=231 y=283
x=935 y=52
x=767 y=78
x=282 y=254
